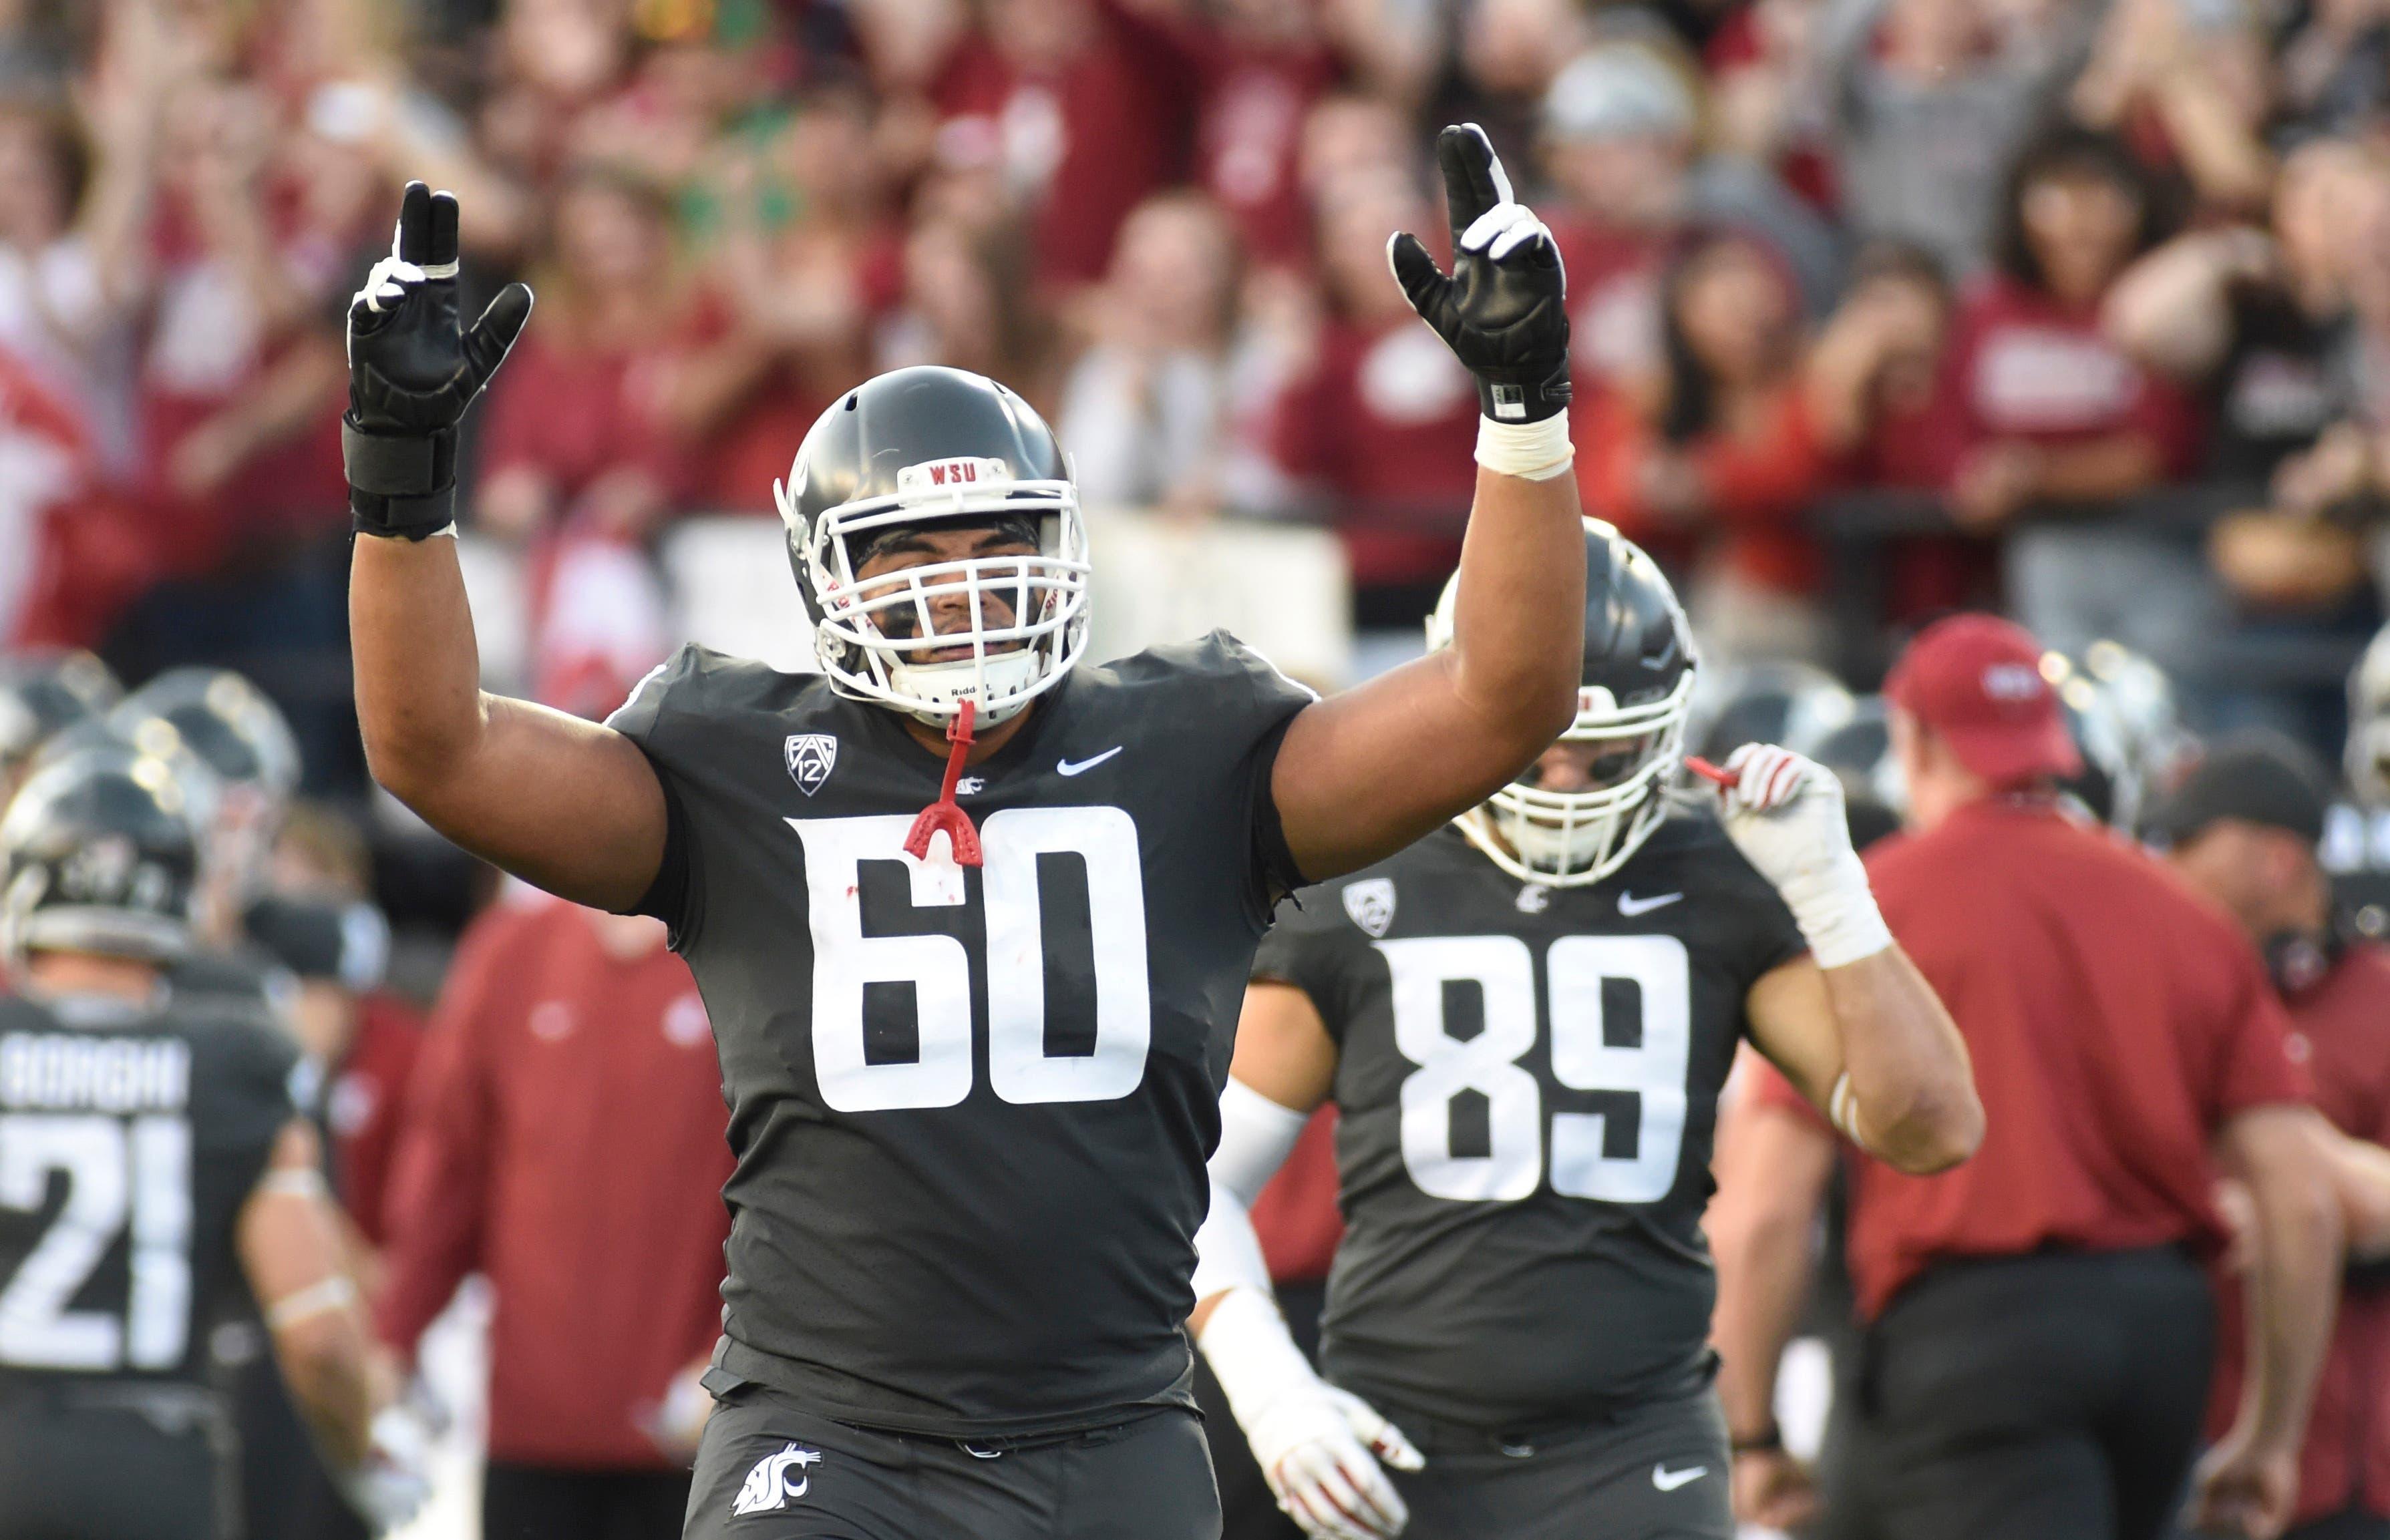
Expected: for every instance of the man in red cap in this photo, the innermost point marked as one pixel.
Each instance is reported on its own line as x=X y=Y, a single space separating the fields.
x=2037 y=1327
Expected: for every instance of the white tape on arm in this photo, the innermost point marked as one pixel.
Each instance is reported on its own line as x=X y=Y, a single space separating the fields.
x=317 y=1299
x=1256 y=1135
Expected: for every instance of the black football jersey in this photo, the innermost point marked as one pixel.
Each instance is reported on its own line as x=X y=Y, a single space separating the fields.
x=971 y=1107
x=1527 y=1087
x=129 y=1141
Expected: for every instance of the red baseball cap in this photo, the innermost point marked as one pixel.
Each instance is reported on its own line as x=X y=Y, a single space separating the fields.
x=1977 y=680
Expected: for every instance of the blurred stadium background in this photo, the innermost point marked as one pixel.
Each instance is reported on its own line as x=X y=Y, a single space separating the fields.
x=2078 y=309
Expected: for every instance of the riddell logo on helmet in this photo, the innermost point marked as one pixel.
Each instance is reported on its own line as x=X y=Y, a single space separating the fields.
x=956 y=475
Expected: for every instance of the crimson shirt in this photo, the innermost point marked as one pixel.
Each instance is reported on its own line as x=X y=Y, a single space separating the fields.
x=2025 y=368
x=2115 y=1022
x=1093 y=131
x=2345 y=1019
x=565 y=1134
x=363 y=1109
x=1386 y=424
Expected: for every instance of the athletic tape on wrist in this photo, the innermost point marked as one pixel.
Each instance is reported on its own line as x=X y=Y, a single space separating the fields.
x=317 y=1299
x=1837 y=914
x=1533 y=451
x=1843 y=1108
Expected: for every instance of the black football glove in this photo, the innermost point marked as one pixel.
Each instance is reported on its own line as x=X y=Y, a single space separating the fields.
x=413 y=369
x=1503 y=310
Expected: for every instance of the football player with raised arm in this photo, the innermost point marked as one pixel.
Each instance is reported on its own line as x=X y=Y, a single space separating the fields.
x=151 y=1164
x=971 y=915
x=1525 y=1020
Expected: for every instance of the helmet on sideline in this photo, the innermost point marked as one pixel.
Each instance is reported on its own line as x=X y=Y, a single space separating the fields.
x=43 y=694
x=2120 y=710
x=2366 y=760
x=1773 y=700
x=98 y=853
x=230 y=724
x=1859 y=753
x=1635 y=690
x=922 y=446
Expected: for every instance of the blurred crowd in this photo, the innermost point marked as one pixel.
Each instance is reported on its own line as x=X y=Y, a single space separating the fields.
x=2077 y=307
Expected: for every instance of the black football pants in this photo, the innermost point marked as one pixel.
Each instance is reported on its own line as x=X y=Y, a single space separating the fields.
x=770 y=1470
x=70 y=1469
x=1656 y=1472
x=2055 y=1396
x=537 y=1502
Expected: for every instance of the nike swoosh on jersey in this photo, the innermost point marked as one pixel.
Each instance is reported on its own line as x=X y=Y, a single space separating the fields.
x=1668 y=1480
x=1067 y=768
x=1630 y=905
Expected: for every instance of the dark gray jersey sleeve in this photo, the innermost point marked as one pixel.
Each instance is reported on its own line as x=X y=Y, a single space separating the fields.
x=675 y=895
x=247 y=1091
x=1316 y=949
x=1275 y=700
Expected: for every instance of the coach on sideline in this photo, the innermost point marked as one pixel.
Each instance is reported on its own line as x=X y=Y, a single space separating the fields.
x=2037 y=1326
x=2242 y=828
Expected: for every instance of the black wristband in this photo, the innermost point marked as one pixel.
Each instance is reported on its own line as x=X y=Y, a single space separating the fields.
x=402 y=485
x=1503 y=402
x=1769 y=1440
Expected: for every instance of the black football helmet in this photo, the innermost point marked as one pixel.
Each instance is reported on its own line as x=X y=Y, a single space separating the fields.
x=43 y=693
x=2367 y=756
x=902 y=450
x=1634 y=692
x=1768 y=701
x=227 y=722
x=2121 y=712
x=98 y=853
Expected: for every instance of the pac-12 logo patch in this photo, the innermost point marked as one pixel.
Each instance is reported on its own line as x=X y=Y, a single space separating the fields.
x=812 y=756
x=776 y=1480
x=1370 y=902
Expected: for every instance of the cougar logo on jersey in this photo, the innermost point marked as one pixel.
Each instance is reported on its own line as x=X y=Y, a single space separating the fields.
x=1371 y=903
x=770 y=1486
x=812 y=756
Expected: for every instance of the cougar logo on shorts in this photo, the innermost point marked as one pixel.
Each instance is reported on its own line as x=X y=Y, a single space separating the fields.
x=769 y=1485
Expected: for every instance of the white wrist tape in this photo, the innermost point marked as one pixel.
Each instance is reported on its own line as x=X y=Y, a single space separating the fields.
x=317 y=1299
x=1837 y=913
x=293 y=1182
x=1253 y=1354
x=1533 y=451
x=1843 y=1108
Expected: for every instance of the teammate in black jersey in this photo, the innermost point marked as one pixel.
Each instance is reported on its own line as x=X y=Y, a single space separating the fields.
x=971 y=915
x=1525 y=1020
x=151 y=1164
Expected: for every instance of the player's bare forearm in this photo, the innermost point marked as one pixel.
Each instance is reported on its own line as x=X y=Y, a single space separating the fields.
x=1771 y=1171
x=2361 y=1176
x=2294 y=1282
x=568 y=806
x=1369 y=770
x=1910 y=1097
x=1912 y=1085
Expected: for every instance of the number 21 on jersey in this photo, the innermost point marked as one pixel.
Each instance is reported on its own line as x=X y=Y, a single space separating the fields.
x=1582 y=1060
x=939 y=967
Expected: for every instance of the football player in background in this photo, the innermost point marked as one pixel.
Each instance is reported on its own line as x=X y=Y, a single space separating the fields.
x=1525 y=1020
x=150 y=1163
x=972 y=1048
